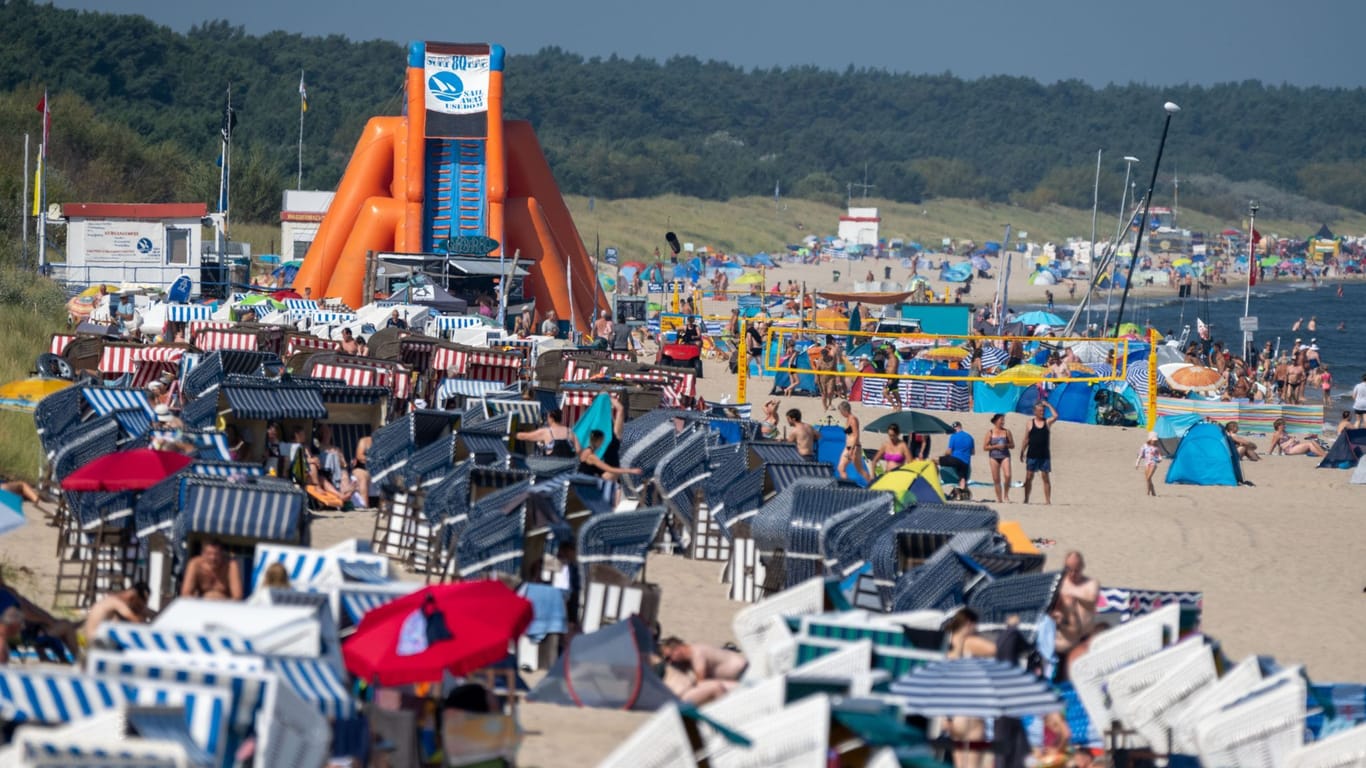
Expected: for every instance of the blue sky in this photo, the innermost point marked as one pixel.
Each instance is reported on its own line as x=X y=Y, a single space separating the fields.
x=1160 y=42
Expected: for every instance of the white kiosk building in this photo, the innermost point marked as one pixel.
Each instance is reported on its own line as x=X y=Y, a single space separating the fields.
x=300 y=217
x=147 y=244
x=860 y=226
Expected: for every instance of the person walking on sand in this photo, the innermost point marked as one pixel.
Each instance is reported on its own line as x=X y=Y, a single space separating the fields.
x=1149 y=456
x=999 y=443
x=1036 y=453
x=853 y=446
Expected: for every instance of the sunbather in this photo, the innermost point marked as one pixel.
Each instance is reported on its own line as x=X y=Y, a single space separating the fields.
x=1289 y=445
x=1245 y=447
x=1074 y=608
x=212 y=575
x=22 y=622
x=128 y=605
x=716 y=671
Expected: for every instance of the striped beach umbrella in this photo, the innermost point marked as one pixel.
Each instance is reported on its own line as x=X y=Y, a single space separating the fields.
x=993 y=357
x=984 y=688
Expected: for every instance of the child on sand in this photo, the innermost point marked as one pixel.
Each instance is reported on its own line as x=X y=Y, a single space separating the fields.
x=1149 y=456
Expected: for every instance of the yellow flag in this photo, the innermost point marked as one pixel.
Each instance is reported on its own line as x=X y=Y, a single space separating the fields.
x=38 y=185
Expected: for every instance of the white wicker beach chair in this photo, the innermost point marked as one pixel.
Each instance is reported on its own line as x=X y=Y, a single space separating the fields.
x=1236 y=683
x=662 y=742
x=798 y=736
x=762 y=633
x=1126 y=683
x=1167 y=617
x=1257 y=731
x=741 y=707
x=1126 y=644
x=1155 y=711
x=1337 y=751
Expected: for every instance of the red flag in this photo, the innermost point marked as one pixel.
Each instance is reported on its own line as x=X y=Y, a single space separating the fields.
x=1252 y=266
x=1252 y=273
x=1256 y=237
x=47 y=121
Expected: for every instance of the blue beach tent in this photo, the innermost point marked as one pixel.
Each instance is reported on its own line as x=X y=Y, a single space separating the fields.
x=1205 y=456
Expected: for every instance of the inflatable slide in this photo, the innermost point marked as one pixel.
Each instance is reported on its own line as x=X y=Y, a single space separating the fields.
x=452 y=167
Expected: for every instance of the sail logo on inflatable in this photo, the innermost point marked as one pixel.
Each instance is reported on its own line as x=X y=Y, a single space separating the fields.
x=457 y=84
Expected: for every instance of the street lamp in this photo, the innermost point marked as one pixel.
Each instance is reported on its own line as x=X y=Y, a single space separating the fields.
x=1252 y=209
x=1171 y=109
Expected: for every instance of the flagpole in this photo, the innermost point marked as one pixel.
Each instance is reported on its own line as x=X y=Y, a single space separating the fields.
x=41 y=191
x=23 y=205
x=303 y=107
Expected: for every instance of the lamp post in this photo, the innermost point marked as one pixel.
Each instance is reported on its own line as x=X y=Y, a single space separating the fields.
x=1171 y=109
x=1252 y=209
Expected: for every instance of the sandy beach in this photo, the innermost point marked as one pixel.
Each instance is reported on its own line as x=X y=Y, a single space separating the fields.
x=1280 y=563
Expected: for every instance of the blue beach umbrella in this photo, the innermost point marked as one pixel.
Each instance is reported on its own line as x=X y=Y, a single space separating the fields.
x=11 y=512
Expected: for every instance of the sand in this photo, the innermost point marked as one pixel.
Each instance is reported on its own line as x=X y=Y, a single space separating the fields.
x=1282 y=565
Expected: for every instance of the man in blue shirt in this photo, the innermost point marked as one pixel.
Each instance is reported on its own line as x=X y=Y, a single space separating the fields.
x=959 y=456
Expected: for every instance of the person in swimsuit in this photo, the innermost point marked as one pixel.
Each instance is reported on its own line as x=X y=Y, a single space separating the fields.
x=999 y=443
x=968 y=733
x=590 y=464
x=802 y=435
x=853 y=448
x=1149 y=456
x=893 y=450
x=212 y=575
x=768 y=428
x=360 y=474
x=555 y=439
x=1289 y=445
x=1036 y=452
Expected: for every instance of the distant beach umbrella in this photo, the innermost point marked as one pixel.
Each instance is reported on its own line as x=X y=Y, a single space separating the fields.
x=984 y=688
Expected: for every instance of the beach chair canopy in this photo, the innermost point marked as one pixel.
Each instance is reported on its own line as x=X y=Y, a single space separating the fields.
x=1205 y=456
x=1347 y=450
x=607 y=669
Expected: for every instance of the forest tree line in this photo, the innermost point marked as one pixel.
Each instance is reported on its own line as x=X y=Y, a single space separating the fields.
x=137 y=110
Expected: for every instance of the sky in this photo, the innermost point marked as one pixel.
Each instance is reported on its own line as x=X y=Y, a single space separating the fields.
x=1158 y=42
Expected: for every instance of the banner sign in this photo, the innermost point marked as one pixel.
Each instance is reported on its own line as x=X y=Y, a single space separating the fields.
x=457 y=90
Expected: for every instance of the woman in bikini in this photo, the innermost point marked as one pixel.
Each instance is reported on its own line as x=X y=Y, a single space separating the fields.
x=1289 y=445
x=554 y=439
x=853 y=448
x=968 y=733
x=768 y=428
x=893 y=450
x=999 y=443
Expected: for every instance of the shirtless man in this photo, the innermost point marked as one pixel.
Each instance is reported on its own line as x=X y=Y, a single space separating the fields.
x=802 y=435
x=1074 y=609
x=716 y=671
x=212 y=575
x=128 y=605
x=1294 y=381
x=348 y=343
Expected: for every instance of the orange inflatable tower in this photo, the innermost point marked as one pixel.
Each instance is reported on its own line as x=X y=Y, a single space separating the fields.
x=452 y=167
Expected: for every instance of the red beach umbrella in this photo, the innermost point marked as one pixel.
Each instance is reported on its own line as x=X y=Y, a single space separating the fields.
x=135 y=470
x=445 y=627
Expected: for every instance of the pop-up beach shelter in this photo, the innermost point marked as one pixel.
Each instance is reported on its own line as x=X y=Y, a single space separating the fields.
x=608 y=669
x=1205 y=456
x=1171 y=427
x=918 y=480
x=1347 y=450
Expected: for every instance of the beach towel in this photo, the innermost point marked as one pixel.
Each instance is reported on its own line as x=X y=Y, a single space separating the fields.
x=599 y=417
x=548 y=612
